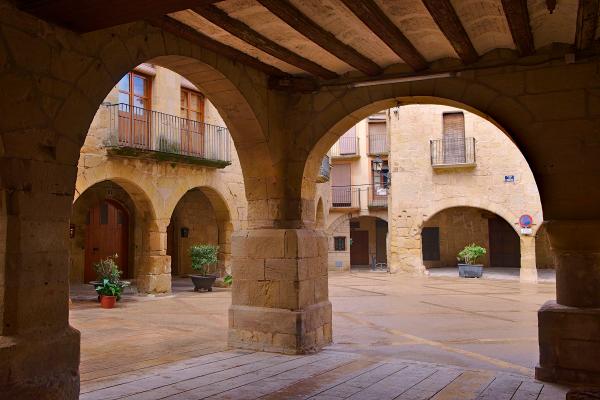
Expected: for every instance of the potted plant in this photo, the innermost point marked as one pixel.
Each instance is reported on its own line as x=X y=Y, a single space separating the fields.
x=108 y=292
x=467 y=259
x=107 y=269
x=203 y=256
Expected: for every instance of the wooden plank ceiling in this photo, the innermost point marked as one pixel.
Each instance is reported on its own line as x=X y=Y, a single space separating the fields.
x=328 y=39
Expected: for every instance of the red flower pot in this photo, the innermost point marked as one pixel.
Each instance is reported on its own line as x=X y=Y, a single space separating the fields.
x=108 y=301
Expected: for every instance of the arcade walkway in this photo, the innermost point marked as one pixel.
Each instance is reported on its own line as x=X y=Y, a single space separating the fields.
x=394 y=337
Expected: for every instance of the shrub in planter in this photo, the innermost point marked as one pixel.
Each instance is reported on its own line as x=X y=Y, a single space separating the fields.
x=108 y=293
x=203 y=256
x=108 y=269
x=467 y=258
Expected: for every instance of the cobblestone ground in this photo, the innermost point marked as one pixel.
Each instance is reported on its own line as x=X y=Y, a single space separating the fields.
x=394 y=337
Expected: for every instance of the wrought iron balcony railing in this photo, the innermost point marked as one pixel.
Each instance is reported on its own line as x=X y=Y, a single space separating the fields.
x=345 y=197
x=324 y=170
x=378 y=196
x=137 y=131
x=378 y=144
x=345 y=147
x=449 y=152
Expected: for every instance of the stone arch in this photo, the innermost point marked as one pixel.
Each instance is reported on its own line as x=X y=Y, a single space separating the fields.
x=320 y=214
x=144 y=228
x=225 y=225
x=348 y=111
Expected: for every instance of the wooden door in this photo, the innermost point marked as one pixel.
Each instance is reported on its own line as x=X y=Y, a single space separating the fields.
x=341 y=179
x=134 y=110
x=454 y=138
x=173 y=247
x=505 y=246
x=107 y=234
x=192 y=127
x=348 y=142
x=359 y=249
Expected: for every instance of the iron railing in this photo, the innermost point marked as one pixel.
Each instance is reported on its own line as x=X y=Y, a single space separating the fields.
x=324 y=170
x=378 y=144
x=378 y=196
x=345 y=147
x=142 y=129
x=452 y=151
x=345 y=197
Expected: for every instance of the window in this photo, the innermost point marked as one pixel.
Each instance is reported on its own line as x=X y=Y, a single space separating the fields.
x=380 y=181
x=377 y=137
x=192 y=105
x=134 y=90
x=454 y=138
x=104 y=213
x=430 y=238
x=339 y=243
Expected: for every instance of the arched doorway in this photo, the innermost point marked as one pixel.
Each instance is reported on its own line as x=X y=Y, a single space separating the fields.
x=368 y=242
x=447 y=232
x=106 y=235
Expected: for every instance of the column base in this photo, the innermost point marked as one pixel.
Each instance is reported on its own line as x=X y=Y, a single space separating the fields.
x=280 y=330
x=569 y=344
x=155 y=275
x=528 y=275
x=40 y=368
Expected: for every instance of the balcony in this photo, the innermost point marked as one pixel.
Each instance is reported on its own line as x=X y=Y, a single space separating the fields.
x=378 y=144
x=142 y=133
x=324 y=170
x=378 y=196
x=453 y=152
x=346 y=197
x=345 y=147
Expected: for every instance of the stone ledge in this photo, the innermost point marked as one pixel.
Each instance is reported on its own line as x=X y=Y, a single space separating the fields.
x=569 y=344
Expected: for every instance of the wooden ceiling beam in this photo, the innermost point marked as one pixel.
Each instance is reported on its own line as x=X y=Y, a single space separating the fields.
x=244 y=32
x=375 y=19
x=587 y=23
x=445 y=17
x=307 y=27
x=91 y=15
x=183 y=31
x=517 y=16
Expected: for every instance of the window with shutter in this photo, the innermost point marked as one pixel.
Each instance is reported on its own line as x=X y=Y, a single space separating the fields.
x=377 y=138
x=454 y=138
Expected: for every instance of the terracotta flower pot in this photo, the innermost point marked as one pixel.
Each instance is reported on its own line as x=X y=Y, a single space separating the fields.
x=108 y=301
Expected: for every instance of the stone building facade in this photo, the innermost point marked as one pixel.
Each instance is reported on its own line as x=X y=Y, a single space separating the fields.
x=457 y=179
x=168 y=174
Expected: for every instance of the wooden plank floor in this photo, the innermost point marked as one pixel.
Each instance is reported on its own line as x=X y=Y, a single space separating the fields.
x=215 y=373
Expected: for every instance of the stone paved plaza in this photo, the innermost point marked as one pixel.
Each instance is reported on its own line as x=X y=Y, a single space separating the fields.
x=394 y=337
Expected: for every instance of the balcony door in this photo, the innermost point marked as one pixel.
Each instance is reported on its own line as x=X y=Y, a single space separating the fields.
x=380 y=183
x=134 y=110
x=192 y=127
x=341 y=195
x=347 y=142
x=454 y=138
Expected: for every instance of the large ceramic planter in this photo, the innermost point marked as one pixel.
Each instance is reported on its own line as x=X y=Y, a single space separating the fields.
x=108 y=301
x=470 y=271
x=203 y=282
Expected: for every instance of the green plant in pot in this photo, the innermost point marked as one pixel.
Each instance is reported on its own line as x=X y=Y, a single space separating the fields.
x=107 y=269
x=203 y=257
x=108 y=292
x=467 y=261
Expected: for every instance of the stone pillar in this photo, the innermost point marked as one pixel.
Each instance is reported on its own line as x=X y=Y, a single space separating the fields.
x=39 y=351
x=528 y=272
x=154 y=269
x=569 y=327
x=280 y=297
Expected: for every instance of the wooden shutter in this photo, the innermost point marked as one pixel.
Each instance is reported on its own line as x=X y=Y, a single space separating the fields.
x=454 y=138
x=340 y=185
x=454 y=124
x=430 y=238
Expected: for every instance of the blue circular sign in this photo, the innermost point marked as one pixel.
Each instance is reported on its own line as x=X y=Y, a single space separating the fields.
x=525 y=221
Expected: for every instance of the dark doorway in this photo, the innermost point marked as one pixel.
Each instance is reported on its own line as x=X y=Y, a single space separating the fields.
x=505 y=246
x=381 y=241
x=107 y=234
x=359 y=247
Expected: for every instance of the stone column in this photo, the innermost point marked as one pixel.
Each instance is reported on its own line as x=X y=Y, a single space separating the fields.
x=280 y=297
x=569 y=327
x=39 y=351
x=528 y=272
x=154 y=269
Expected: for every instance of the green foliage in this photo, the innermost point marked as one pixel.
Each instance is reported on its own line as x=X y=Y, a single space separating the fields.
x=228 y=280
x=471 y=253
x=167 y=146
x=108 y=269
x=202 y=256
x=109 y=288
